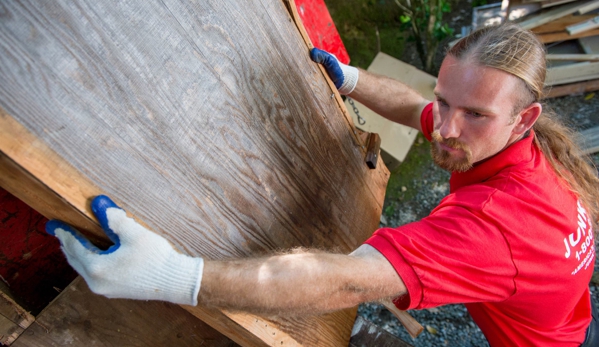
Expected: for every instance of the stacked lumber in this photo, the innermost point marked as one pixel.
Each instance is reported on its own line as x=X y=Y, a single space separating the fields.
x=568 y=28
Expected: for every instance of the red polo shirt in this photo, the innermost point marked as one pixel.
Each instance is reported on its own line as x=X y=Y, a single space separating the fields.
x=510 y=241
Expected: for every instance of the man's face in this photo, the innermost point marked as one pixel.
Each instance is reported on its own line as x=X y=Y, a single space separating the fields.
x=473 y=114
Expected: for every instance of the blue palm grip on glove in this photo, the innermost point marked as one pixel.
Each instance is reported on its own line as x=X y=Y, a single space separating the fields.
x=344 y=77
x=99 y=205
x=330 y=63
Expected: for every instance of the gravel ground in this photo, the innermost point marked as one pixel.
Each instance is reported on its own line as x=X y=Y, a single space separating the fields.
x=409 y=201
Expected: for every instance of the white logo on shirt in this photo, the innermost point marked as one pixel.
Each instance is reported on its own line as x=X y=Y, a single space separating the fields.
x=583 y=238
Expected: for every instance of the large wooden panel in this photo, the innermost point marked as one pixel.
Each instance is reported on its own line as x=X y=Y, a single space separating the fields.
x=205 y=119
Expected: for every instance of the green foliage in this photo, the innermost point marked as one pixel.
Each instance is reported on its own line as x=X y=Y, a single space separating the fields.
x=358 y=22
x=476 y=3
x=424 y=19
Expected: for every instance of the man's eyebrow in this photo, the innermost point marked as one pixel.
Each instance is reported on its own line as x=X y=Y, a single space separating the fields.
x=471 y=109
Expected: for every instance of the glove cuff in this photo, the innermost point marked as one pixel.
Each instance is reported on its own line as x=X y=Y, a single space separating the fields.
x=178 y=281
x=350 y=79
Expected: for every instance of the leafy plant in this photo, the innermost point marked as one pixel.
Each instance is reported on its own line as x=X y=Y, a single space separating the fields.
x=424 y=19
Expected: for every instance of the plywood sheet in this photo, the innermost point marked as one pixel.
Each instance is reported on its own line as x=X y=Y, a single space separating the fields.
x=206 y=120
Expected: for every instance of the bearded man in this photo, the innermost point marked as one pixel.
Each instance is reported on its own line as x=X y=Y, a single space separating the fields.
x=513 y=240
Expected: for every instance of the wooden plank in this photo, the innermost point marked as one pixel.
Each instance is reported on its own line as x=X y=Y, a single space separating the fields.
x=13 y=312
x=78 y=317
x=13 y=320
x=590 y=45
x=560 y=24
x=225 y=146
x=584 y=26
x=550 y=3
x=366 y=334
x=573 y=57
x=552 y=15
x=591 y=6
x=573 y=88
x=9 y=331
x=562 y=36
x=572 y=73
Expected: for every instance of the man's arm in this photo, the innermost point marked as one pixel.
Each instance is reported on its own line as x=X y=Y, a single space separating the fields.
x=301 y=282
x=390 y=98
x=385 y=96
x=143 y=265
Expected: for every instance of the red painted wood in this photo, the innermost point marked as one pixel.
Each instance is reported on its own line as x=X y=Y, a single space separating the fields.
x=32 y=265
x=321 y=28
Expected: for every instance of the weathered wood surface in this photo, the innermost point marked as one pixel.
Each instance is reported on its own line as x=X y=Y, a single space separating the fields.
x=573 y=88
x=205 y=120
x=367 y=334
x=80 y=318
x=560 y=24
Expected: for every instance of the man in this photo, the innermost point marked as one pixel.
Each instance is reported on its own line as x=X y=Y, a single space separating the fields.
x=513 y=240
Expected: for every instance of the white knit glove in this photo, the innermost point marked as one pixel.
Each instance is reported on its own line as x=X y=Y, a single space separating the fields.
x=140 y=265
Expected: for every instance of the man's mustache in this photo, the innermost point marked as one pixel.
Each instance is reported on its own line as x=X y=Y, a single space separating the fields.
x=449 y=142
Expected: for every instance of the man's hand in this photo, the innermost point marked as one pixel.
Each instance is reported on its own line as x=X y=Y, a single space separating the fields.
x=344 y=76
x=140 y=265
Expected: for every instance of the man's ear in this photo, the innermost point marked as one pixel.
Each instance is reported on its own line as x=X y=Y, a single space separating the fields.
x=527 y=118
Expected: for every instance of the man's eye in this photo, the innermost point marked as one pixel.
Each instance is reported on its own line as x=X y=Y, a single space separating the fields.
x=474 y=114
x=442 y=103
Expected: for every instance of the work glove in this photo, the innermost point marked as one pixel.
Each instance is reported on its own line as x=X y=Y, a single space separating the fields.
x=344 y=76
x=140 y=265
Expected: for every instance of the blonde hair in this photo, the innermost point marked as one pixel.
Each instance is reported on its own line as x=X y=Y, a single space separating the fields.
x=509 y=48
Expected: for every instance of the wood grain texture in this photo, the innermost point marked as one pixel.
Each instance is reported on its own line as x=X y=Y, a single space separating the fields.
x=9 y=331
x=560 y=24
x=15 y=313
x=564 y=35
x=206 y=120
x=367 y=334
x=573 y=88
x=80 y=318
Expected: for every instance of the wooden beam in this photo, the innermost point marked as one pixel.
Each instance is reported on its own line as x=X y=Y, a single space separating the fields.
x=551 y=3
x=552 y=15
x=573 y=88
x=79 y=317
x=572 y=73
x=225 y=147
x=563 y=36
x=590 y=6
x=559 y=25
x=573 y=57
x=590 y=45
x=366 y=334
x=13 y=320
x=584 y=26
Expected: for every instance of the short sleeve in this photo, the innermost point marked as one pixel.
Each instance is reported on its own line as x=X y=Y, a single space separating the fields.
x=451 y=256
x=426 y=121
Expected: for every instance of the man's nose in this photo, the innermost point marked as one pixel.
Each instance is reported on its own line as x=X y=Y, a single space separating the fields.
x=450 y=125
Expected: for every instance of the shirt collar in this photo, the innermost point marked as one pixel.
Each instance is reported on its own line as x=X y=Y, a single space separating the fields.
x=518 y=152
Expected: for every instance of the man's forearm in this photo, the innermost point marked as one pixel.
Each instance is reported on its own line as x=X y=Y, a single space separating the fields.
x=297 y=283
x=389 y=98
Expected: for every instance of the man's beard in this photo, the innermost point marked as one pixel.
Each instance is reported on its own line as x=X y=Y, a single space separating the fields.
x=443 y=158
